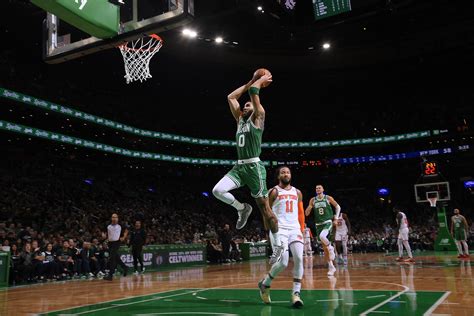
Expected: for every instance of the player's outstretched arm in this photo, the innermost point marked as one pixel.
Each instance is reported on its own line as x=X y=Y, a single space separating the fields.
x=272 y=196
x=301 y=210
x=258 y=116
x=309 y=208
x=335 y=205
x=234 y=96
x=346 y=218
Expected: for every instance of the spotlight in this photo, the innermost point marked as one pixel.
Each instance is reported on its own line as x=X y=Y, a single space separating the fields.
x=219 y=40
x=189 y=33
x=326 y=45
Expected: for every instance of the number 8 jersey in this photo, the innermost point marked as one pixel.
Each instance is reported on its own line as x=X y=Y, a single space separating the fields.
x=285 y=208
x=322 y=210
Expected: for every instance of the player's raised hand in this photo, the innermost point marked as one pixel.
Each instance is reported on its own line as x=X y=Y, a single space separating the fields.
x=262 y=78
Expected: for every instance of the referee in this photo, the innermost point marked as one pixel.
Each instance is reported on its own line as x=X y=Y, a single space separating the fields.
x=114 y=231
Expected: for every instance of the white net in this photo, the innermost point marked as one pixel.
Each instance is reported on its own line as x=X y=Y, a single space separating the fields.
x=137 y=55
x=432 y=201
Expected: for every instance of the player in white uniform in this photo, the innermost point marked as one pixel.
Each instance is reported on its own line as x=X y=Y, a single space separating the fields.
x=343 y=230
x=287 y=204
x=402 y=223
x=308 y=251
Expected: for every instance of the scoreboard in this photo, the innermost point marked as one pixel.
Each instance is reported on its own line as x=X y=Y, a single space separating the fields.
x=326 y=8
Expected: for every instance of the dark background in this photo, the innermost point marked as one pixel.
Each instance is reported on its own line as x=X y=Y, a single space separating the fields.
x=394 y=67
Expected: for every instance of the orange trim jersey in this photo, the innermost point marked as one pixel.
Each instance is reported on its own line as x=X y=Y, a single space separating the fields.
x=288 y=211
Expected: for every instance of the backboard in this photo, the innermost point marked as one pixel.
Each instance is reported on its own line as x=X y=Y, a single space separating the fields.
x=63 y=42
x=423 y=191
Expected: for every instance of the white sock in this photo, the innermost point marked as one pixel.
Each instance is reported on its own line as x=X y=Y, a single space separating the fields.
x=458 y=245
x=408 y=248
x=277 y=268
x=237 y=205
x=466 y=248
x=331 y=265
x=296 y=286
x=276 y=239
x=268 y=280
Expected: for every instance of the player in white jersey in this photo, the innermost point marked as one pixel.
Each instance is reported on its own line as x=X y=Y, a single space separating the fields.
x=287 y=204
x=308 y=251
x=343 y=230
x=402 y=223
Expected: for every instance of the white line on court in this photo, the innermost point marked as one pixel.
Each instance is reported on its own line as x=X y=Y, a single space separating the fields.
x=103 y=302
x=230 y=301
x=131 y=303
x=401 y=302
x=374 y=308
x=191 y=291
x=331 y=300
x=436 y=304
x=201 y=298
x=380 y=312
x=351 y=304
x=374 y=296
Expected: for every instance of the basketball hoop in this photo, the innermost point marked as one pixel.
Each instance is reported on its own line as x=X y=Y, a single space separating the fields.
x=137 y=55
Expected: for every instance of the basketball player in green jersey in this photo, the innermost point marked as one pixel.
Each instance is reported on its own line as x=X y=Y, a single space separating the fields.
x=324 y=218
x=249 y=170
x=459 y=229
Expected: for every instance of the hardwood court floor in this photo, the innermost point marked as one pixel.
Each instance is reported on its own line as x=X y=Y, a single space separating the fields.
x=371 y=284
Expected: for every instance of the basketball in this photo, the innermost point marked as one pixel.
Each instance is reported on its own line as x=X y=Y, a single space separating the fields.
x=260 y=72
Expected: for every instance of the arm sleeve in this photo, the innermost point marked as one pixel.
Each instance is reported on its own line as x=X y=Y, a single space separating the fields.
x=301 y=216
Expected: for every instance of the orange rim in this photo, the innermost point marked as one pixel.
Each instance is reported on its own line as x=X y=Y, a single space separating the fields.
x=156 y=37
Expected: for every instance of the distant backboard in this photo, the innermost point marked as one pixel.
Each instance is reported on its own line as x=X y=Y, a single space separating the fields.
x=440 y=190
x=63 y=41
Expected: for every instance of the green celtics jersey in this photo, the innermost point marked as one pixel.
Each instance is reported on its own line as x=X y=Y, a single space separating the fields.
x=249 y=139
x=322 y=210
x=458 y=223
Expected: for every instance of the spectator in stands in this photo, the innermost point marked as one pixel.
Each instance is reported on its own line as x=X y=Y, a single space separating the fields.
x=76 y=257
x=214 y=251
x=65 y=260
x=50 y=268
x=26 y=269
x=15 y=264
x=86 y=254
x=38 y=259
